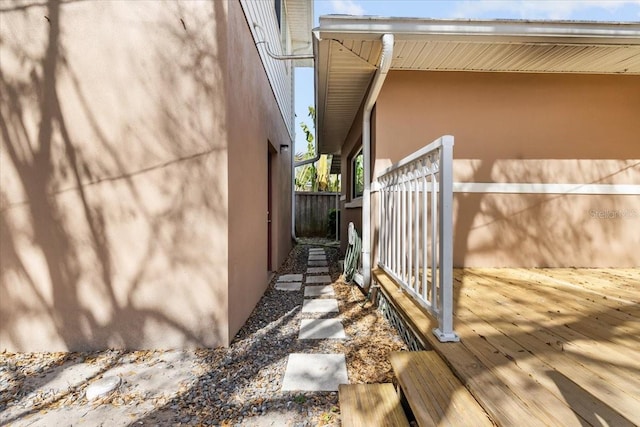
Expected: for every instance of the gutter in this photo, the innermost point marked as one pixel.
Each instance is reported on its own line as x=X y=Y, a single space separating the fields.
x=501 y=30
x=378 y=80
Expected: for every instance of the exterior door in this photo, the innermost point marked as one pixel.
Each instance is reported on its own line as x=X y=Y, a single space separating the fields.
x=269 y=207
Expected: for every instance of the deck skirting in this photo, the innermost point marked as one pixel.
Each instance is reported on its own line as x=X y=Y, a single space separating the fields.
x=396 y=319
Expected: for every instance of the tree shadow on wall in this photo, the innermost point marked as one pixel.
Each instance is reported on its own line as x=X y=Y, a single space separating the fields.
x=538 y=230
x=71 y=204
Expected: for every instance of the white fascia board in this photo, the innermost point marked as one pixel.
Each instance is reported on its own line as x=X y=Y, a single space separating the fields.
x=579 y=32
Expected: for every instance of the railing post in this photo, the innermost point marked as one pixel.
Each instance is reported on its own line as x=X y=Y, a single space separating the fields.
x=445 y=332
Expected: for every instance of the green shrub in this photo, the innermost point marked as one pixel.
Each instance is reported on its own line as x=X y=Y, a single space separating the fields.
x=331 y=224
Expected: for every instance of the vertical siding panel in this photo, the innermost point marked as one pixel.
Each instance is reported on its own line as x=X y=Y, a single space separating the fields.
x=279 y=72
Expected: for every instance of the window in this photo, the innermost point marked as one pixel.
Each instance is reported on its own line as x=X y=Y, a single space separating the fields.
x=278 y=7
x=357 y=175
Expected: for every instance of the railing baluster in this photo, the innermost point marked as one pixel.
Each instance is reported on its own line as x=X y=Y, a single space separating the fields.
x=425 y=230
x=383 y=226
x=396 y=247
x=390 y=224
x=381 y=240
x=416 y=229
x=387 y=220
x=401 y=232
x=409 y=249
x=434 y=242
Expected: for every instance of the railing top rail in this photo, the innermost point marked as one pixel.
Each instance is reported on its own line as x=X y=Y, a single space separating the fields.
x=443 y=141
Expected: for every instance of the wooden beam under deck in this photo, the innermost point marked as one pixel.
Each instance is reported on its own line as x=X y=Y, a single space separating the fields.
x=545 y=346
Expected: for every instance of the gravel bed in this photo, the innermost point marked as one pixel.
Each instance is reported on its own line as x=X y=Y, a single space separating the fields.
x=239 y=385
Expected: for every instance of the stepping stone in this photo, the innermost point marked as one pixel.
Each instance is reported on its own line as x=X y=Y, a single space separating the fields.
x=315 y=372
x=317 y=329
x=318 y=291
x=317 y=258
x=316 y=251
x=290 y=278
x=288 y=286
x=313 y=263
x=318 y=279
x=320 y=305
x=316 y=270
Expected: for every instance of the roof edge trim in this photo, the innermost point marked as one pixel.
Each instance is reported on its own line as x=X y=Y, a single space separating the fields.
x=583 y=32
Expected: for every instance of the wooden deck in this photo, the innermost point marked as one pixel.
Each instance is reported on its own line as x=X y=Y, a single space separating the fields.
x=548 y=346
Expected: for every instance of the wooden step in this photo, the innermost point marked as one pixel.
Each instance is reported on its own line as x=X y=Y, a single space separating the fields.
x=370 y=405
x=436 y=396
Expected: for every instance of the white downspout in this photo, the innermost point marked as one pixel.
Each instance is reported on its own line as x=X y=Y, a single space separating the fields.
x=376 y=85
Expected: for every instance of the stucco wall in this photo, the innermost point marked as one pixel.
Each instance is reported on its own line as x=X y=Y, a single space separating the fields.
x=518 y=128
x=256 y=128
x=350 y=208
x=113 y=173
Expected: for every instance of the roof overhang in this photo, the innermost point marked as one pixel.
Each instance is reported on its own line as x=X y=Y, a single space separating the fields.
x=300 y=18
x=347 y=50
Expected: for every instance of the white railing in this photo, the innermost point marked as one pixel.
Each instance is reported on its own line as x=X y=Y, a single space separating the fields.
x=415 y=239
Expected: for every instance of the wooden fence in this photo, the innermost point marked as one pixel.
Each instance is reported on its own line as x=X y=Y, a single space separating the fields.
x=312 y=213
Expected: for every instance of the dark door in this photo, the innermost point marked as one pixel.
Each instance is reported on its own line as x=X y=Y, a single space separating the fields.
x=269 y=207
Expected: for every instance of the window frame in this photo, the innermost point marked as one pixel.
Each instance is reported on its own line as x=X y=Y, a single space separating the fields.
x=355 y=195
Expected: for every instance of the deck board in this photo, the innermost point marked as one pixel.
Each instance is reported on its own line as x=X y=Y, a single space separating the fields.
x=482 y=383
x=604 y=321
x=371 y=405
x=434 y=393
x=531 y=378
x=548 y=346
x=560 y=338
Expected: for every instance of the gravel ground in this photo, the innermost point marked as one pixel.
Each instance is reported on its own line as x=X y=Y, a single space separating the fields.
x=239 y=385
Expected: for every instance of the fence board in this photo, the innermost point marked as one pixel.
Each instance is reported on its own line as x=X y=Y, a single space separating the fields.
x=312 y=213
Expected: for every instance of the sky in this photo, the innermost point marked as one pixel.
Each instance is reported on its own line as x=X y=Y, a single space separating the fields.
x=582 y=10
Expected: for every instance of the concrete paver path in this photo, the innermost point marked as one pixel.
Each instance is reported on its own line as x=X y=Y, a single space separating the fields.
x=321 y=329
x=318 y=279
x=319 y=291
x=315 y=372
x=311 y=371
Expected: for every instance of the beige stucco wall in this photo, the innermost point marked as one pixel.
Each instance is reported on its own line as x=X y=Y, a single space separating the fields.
x=256 y=128
x=114 y=227
x=542 y=128
x=350 y=208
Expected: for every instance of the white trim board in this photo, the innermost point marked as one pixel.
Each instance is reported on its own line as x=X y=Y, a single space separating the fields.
x=539 y=188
